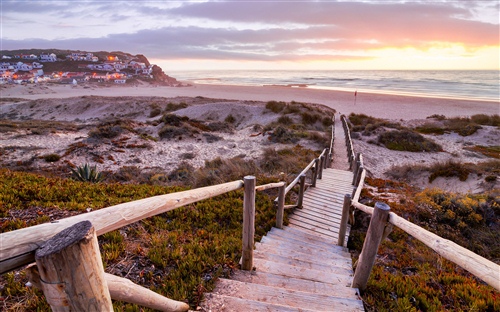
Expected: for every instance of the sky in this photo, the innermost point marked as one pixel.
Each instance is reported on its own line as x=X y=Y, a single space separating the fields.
x=257 y=34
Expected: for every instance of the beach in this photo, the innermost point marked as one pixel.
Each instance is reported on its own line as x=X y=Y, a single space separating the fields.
x=388 y=106
x=90 y=104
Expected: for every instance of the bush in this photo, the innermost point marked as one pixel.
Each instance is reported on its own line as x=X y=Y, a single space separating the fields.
x=175 y=106
x=430 y=128
x=275 y=106
x=486 y=120
x=170 y=132
x=283 y=135
x=230 y=119
x=409 y=141
x=462 y=126
x=111 y=129
x=309 y=119
x=155 y=111
x=51 y=157
x=449 y=169
x=285 y=120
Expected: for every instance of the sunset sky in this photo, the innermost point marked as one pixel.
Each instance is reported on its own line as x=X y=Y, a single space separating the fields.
x=185 y=35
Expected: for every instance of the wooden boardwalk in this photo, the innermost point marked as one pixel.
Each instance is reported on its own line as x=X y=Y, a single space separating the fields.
x=299 y=267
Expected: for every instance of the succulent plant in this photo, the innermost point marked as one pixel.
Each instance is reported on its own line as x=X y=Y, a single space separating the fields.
x=86 y=173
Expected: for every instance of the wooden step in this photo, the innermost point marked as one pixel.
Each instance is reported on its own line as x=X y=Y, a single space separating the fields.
x=330 y=220
x=302 y=236
x=340 y=268
x=221 y=303
x=285 y=297
x=313 y=224
x=262 y=265
x=293 y=231
x=295 y=239
x=290 y=283
x=334 y=217
x=303 y=247
x=284 y=250
x=329 y=236
x=312 y=229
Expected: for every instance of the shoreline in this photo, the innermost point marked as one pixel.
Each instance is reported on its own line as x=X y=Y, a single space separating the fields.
x=389 y=106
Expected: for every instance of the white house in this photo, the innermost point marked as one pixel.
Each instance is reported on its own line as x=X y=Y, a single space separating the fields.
x=23 y=66
x=48 y=57
x=36 y=65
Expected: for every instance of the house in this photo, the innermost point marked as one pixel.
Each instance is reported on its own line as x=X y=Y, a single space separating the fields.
x=6 y=66
x=48 y=57
x=36 y=65
x=36 y=72
x=119 y=66
x=29 y=56
x=120 y=81
x=23 y=66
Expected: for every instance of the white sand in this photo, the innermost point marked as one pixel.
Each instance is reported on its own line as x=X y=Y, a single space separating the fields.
x=243 y=142
x=377 y=105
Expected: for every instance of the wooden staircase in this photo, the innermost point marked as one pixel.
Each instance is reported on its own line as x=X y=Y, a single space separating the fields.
x=299 y=268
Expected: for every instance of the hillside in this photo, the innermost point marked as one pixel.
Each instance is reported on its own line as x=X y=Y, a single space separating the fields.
x=65 y=64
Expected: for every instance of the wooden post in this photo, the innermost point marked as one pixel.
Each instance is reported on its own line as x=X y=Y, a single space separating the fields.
x=124 y=290
x=356 y=172
x=281 y=206
x=358 y=176
x=321 y=164
x=302 y=189
x=370 y=246
x=315 y=173
x=71 y=271
x=248 y=223
x=345 y=217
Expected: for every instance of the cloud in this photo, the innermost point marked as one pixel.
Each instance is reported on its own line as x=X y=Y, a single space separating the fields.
x=248 y=30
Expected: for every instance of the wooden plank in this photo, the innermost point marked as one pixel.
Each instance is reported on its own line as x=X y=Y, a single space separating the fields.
x=313 y=228
x=295 y=231
x=290 y=283
x=302 y=229
x=285 y=297
x=325 y=220
x=329 y=217
x=221 y=303
x=303 y=247
x=314 y=223
x=324 y=257
x=304 y=264
x=302 y=236
x=298 y=272
x=293 y=240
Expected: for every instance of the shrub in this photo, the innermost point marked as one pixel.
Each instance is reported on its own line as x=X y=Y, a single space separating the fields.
x=275 y=106
x=431 y=128
x=449 y=169
x=220 y=126
x=155 y=111
x=175 y=106
x=309 y=119
x=173 y=120
x=211 y=138
x=283 y=135
x=437 y=116
x=87 y=173
x=409 y=141
x=285 y=120
x=110 y=129
x=230 y=119
x=462 y=126
x=51 y=157
x=170 y=132
x=486 y=120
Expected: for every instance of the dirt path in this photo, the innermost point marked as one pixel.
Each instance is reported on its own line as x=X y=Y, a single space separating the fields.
x=339 y=147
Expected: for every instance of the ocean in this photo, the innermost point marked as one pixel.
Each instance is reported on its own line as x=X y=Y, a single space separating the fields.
x=460 y=84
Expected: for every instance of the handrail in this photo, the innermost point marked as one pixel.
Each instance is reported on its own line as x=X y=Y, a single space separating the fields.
x=468 y=260
x=475 y=264
x=17 y=248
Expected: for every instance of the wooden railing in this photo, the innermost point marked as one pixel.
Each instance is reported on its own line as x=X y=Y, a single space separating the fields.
x=382 y=223
x=66 y=251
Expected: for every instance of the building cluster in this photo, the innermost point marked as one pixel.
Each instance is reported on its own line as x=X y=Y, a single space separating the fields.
x=23 y=68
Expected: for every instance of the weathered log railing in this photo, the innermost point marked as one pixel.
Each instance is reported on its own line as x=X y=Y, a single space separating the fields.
x=382 y=223
x=72 y=254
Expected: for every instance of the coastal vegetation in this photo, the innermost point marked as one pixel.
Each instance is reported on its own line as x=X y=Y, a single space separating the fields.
x=408 y=276
x=180 y=254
